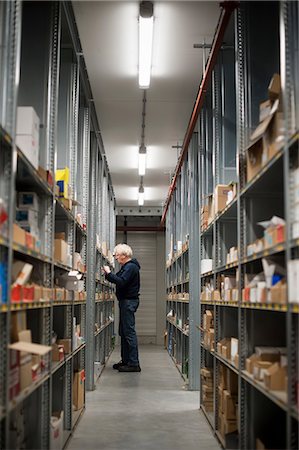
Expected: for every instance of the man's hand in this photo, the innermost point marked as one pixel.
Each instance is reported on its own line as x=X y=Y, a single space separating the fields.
x=106 y=269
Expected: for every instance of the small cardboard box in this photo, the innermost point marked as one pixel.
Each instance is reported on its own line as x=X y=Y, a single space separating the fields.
x=220 y=197
x=19 y=235
x=259 y=369
x=232 y=382
x=57 y=352
x=274 y=377
x=60 y=251
x=279 y=293
x=250 y=361
x=274 y=87
x=207 y=319
x=255 y=157
x=78 y=389
x=229 y=405
x=67 y=344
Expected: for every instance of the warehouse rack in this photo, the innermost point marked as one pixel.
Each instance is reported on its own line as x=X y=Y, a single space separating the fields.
x=42 y=67
x=261 y=39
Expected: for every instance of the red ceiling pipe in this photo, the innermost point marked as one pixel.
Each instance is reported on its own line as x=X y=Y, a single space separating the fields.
x=139 y=228
x=228 y=8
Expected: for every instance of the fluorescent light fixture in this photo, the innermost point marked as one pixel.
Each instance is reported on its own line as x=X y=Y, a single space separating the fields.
x=146 y=25
x=142 y=160
x=141 y=195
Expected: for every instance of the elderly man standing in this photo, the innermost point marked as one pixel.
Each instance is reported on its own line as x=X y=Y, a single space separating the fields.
x=127 y=282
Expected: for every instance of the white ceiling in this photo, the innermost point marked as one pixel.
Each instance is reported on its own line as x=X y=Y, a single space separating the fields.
x=109 y=36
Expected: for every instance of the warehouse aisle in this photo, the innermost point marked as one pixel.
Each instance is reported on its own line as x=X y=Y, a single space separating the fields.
x=143 y=411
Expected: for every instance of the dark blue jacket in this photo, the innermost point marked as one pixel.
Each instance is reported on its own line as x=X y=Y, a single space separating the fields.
x=127 y=280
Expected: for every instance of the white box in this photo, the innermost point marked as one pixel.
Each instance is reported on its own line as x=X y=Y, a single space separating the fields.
x=295 y=230
x=234 y=346
x=29 y=146
x=28 y=200
x=206 y=265
x=27 y=121
x=293 y=281
x=56 y=433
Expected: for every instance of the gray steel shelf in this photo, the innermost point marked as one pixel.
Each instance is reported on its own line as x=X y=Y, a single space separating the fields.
x=103 y=327
x=177 y=300
x=28 y=178
x=278 y=397
x=32 y=253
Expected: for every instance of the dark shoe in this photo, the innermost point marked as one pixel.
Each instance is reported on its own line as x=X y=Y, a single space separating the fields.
x=129 y=369
x=118 y=365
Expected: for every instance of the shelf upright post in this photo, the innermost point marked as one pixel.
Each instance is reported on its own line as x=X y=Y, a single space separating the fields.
x=11 y=51
x=91 y=261
x=289 y=14
x=194 y=307
x=241 y=115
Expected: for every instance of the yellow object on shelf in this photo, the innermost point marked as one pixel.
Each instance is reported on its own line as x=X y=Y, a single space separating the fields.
x=62 y=177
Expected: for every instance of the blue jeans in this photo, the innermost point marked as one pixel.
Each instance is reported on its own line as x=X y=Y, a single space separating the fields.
x=129 y=344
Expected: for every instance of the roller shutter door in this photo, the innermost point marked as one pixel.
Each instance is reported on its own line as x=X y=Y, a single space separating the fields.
x=144 y=249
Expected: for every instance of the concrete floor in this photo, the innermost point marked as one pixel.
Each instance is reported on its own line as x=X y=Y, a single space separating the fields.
x=143 y=411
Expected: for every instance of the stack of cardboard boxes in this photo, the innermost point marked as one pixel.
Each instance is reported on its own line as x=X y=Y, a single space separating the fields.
x=29 y=361
x=216 y=202
x=207 y=388
x=26 y=229
x=227 y=400
x=23 y=289
x=208 y=330
x=228 y=348
x=269 y=365
x=268 y=138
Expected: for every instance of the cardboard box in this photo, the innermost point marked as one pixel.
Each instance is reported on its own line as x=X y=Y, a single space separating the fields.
x=255 y=158
x=220 y=197
x=259 y=445
x=42 y=173
x=274 y=377
x=57 y=352
x=60 y=250
x=19 y=235
x=259 y=369
x=78 y=389
x=229 y=405
x=279 y=293
x=265 y=110
x=274 y=87
x=207 y=319
x=21 y=272
x=67 y=344
x=232 y=382
x=18 y=323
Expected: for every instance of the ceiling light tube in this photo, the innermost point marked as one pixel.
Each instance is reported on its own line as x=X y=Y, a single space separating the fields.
x=146 y=25
x=141 y=196
x=142 y=160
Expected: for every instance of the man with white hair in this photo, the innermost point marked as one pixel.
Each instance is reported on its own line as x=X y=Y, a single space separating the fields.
x=127 y=282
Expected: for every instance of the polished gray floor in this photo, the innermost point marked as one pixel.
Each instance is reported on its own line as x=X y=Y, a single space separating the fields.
x=143 y=411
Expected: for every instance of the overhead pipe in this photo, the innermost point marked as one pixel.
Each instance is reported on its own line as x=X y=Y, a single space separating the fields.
x=228 y=8
x=140 y=228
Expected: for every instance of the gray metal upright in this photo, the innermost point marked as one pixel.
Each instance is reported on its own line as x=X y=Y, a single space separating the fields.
x=91 y=258
x=194 y=309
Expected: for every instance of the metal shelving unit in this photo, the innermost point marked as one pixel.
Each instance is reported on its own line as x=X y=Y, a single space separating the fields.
x=42 y=66
x=261 y=39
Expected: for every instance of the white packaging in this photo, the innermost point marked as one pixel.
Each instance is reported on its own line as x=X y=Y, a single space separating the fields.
x=293 y=281
x=295 y=230
x=234 y=345
x=56 y=433
x=27 y=121
x=29 y=147
x=21 y=272
x=206 y=265
x=295 y=176
x=28 y=200
x=253 y=295
x=260 y=290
